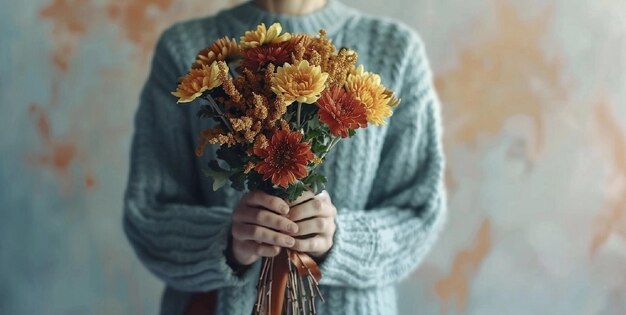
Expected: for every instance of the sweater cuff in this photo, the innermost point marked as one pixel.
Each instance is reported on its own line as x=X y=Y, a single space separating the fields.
x=354 y=241
x=239 y=277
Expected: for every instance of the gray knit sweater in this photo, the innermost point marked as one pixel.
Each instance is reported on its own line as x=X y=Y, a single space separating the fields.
x=386 y=182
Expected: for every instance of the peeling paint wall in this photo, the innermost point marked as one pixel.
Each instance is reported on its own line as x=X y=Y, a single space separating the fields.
x=534 y=109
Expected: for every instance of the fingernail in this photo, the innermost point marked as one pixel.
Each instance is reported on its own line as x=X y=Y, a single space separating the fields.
x=290 y=241
x=292 y=228
x=284 y=209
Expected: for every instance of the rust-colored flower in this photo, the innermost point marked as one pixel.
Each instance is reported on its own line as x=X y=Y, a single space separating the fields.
x=341 y=111
x=259 y=57
x=301 y=39
x=284 y=159
x=223 y=49
x=368 y=89
x=263 y=35
x=196 y=82
x=300 y=82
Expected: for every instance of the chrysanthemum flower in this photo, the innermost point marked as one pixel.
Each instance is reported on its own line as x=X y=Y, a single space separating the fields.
x=196 y=82
x=341 y=111
x=303 y=39
x=223 y=49
x=262 y=36
x=300 y=82
x=284 y=159
x=368 y=89
x=258 y=57
x=393 y=100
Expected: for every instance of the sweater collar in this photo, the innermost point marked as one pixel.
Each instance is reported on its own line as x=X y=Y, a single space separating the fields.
x=330 y=17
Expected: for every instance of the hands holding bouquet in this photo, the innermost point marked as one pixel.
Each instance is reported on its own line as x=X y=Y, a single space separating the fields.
x=289 y=100
x=262 y=224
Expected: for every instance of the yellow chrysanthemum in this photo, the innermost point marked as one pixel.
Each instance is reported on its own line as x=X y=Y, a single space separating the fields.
x=368 y=89
x=196 y=82
x=223 y=49
x=262 y=36
x=301 y=82
x=393 y=100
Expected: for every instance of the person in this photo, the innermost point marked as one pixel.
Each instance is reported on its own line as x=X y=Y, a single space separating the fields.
x=384 y=203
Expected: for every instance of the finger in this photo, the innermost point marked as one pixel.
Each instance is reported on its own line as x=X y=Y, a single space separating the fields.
x=259 y=249
x=324 y=195
x=265 y=218
x=258 y=198
x=312 y=245
x=318 y=225
x=249 y=232
x=309 y=209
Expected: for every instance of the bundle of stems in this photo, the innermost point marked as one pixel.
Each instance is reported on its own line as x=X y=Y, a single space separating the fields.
x=294 y=294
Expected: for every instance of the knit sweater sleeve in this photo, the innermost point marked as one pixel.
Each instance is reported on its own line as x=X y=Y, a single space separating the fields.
x=175 y=233
x=382 y=244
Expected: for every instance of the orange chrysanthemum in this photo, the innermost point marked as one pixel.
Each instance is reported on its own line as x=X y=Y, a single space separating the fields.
x=341 y=111
x=263 y=35
x=300 y=82
x=368 y=89
x=196 y=82
x=223 y=49
x=259 y=57
x=301 y=39
x=284 y=159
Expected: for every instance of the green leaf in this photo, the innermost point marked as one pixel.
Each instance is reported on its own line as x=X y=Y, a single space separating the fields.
x=314 y=123
x=219 y=178
x=316 y=181
x=254 y=180
x=312 y=134
x=233 y=156
x=215 y=166
x=295 y=191
x=237 y=180
x=318 y=147
x=319 y=183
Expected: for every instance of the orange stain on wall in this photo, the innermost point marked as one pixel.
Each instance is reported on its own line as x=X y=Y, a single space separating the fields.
x=506 y=75
x=455 y=286
x=61 y=55
x=137 y=19
x=615 y=220
x=90 y=182
x=57 y=155
x=68 y=15
x=70 y=19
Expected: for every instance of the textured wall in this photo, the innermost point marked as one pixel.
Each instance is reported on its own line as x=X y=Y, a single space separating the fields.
x=535 y=115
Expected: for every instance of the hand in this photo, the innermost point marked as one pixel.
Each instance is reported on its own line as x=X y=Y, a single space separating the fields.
x=260 y=228
x=315 y=216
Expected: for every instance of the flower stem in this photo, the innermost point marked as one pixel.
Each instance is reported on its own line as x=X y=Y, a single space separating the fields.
x=219 y=112
x=298 y=115
x=333 y=142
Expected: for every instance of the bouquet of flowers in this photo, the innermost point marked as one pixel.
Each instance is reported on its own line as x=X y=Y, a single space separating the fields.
x=281 y=102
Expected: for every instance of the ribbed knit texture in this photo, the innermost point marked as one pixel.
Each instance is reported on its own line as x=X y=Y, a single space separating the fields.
x=386 y=181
